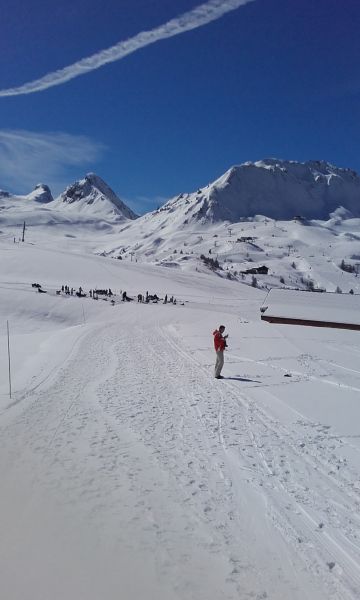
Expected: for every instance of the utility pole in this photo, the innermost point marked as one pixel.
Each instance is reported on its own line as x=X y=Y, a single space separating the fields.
x=23 y=235
x=8 y=345
x=83 y=312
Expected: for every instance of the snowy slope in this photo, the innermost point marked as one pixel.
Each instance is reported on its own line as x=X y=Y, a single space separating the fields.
x=298 y=254
x=129 y=472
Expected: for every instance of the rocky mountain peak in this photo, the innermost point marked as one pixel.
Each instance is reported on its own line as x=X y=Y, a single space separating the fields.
x=279 y=189
x=93 y=194
x=41 y=193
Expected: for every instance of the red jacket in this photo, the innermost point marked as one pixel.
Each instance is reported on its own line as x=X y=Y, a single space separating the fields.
x=219 y=342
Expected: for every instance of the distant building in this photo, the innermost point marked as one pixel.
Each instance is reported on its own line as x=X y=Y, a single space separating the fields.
x=246 y=239
x=263 y=270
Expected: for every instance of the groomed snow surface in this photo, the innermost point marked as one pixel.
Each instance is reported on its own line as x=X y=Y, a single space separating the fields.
x=128 y=472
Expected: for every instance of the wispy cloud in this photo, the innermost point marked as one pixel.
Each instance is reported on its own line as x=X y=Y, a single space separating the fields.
x=27 y=158
x=199 y=16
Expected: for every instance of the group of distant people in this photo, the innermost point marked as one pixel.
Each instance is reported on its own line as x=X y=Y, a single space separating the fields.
x=70 y=291
x=107 y=292
x=103 y=292
x=154 y=298
x=94 y=294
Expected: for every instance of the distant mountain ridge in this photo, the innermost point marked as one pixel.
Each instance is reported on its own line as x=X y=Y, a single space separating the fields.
x=224 y=227
x=90 y=198
x=278 y=189
x=275 y=188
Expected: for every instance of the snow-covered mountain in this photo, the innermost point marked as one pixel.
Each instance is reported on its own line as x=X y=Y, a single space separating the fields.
x=93 y=197
x=41 y=193
x=275 y=188
x=212 y=223
x=191 y=230
x=89 y=203
x=34 y=208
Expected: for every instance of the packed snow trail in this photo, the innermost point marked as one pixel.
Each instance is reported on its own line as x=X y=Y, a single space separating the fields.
x=307 y=482
x=135 y=473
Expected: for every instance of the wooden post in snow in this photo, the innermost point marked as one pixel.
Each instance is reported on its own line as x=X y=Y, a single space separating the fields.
x=8 y=344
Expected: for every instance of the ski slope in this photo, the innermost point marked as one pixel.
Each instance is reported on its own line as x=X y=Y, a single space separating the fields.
x=129 y=472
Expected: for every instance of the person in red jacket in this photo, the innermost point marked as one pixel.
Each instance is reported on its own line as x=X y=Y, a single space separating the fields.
x=219 y=345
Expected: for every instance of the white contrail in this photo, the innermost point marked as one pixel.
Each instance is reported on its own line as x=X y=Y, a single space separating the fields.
x=201 y=15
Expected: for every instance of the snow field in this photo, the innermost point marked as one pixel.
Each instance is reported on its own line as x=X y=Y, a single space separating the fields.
x=128 y=471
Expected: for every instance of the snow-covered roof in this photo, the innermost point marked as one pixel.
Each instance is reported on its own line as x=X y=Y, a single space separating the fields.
x=310 y=308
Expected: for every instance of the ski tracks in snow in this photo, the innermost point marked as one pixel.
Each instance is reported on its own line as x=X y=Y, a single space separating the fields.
x=310 y=491
x=208 y=442
x=189 y=474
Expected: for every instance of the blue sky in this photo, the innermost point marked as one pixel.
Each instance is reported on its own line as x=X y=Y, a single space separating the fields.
x=277 y=78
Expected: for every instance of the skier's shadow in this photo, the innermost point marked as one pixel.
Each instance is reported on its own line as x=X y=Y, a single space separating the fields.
x=242 y=379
